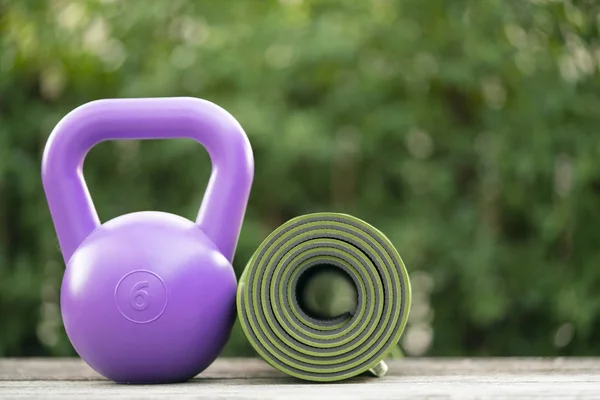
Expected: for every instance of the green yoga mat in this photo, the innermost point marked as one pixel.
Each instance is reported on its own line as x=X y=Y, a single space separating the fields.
x=325 y=297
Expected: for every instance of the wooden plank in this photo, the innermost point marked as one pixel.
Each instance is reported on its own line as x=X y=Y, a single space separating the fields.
x=506 y=378
x=74 y=369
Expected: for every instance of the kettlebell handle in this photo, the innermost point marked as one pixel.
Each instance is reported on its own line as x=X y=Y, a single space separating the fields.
x=224 y=204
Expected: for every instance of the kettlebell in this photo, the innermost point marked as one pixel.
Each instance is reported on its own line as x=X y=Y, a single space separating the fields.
x=148 y=297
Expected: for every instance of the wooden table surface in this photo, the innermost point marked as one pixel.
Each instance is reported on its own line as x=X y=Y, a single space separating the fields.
x=507 y=378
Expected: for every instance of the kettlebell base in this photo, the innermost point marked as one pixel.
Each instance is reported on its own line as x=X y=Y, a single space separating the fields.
x=168 y=381
x=152 y=382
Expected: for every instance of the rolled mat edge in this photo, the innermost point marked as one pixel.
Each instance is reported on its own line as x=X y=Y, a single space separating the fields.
x=324 y=349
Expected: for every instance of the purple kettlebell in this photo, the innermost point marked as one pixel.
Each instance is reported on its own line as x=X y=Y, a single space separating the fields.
x=148 y=297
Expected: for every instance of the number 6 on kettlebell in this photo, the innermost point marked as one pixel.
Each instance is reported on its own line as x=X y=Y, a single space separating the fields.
x=148 y=297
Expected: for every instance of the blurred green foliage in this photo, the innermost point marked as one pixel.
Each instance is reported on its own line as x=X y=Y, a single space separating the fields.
x=464 y=130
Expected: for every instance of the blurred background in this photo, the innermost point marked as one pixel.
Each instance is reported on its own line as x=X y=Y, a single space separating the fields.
x=465 y=130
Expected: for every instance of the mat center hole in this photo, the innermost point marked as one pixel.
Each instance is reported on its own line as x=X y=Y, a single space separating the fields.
x=326 y=291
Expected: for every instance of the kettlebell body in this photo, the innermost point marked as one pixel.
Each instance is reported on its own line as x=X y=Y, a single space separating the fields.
x=148 y=297
x=172 y=307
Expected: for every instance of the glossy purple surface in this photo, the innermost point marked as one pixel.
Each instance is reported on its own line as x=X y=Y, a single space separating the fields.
x=148 y=297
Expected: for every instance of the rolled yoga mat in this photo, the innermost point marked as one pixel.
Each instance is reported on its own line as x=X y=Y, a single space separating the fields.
x=325 y=297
